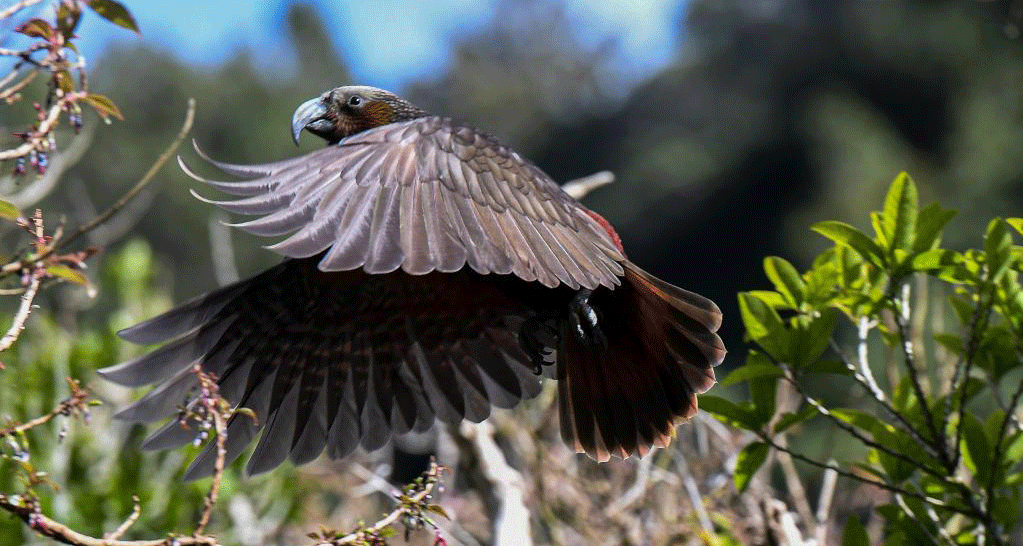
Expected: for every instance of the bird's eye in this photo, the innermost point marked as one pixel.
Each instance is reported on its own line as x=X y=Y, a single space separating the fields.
x=354 y=100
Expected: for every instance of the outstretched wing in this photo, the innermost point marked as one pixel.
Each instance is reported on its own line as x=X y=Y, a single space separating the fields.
x=334 y=360
x=424 y=195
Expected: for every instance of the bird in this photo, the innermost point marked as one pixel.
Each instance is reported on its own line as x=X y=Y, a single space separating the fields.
x=429 y=273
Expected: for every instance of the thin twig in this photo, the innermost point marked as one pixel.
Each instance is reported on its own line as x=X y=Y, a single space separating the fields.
x=24 y=310
x=879 y=484
x=46 y=527
x=822 y=410
x=220 y=428
x=902 y=315
x=45 y=126
x=996 y=458
x=432 y=474
x=15 y=8
x=73 y=403
x=7 y=95
x=877 y=394
x=132 y=518
x=978 y=322
x=141 y=184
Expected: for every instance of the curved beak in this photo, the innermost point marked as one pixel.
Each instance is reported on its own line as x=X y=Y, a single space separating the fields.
x=310 y=115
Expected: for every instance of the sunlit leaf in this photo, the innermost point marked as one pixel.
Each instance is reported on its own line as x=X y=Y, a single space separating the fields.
x=728 y=411
x=845 y=234
x=900 y=212
x=929 y=223
x=786 y=279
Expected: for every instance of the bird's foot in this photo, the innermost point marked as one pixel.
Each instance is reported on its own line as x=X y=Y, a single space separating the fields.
x=538 y=337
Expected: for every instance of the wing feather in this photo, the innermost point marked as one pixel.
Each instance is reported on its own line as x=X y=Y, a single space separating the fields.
x=464 y=198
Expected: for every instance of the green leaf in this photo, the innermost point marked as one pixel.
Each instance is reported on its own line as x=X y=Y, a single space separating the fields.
x=828 y=366
x=749 y=461
x=115 y=12
x=788 y=420
x=997 y=245
x=757 y=365
x=764 y=326
x=9 y=211
x=729 y=411
x=900 y=212
x=439 y=510
x=762 y=392
x=103 y=105
x=845 y=234
x=854 y=533
x=65 y=272
x=771 y=298
x=1016 y=223
x=813 y=339
x=929 y=223
x=786 y=280
x=935 y=258
x=36 y=28
x=857 y=418
x=978 y=449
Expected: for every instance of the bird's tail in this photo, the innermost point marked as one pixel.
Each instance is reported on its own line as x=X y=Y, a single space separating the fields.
x=631 y=362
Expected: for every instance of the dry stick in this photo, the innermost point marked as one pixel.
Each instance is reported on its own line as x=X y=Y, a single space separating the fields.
x=824 y=503
x=17 y=7
x=142 y=183
x=76 y=400
x=511 y=524
x=693 y=490
x=24 y=309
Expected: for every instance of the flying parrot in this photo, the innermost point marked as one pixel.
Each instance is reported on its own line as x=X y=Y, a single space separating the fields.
x=431 y=273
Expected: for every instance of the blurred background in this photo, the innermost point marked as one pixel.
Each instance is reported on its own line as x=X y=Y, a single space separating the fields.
x=731 y=126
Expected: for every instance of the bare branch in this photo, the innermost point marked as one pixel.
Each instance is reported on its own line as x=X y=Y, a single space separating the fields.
x=16 y=7
x=511 y=525
x=580 y=187
x=24 y=309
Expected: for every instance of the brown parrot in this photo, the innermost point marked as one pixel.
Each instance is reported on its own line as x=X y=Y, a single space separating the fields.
x=431 y=273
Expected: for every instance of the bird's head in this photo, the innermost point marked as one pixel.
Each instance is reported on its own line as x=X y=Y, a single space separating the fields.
x=347 y=110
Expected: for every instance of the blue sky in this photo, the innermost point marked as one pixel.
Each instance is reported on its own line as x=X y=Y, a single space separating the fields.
x=387 y=42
